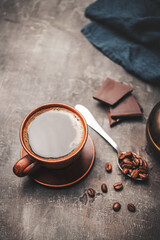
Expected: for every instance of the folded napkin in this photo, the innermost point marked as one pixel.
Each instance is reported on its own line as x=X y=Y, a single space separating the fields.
x=128 y=32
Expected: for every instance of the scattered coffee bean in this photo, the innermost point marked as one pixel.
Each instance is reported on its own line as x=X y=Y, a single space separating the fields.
x=104 y=188
x=116 y=206
x=91 y=192
x=108 y=167
x=131 y=207
x=137 y=167
x=118 y=186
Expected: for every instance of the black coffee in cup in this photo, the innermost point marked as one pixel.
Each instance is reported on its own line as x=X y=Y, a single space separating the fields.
x=53 y=133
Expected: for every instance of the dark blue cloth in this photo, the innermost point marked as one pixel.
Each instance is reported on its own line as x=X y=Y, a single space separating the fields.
x=128 y=32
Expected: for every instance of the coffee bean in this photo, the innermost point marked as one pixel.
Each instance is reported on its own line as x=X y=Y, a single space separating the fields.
x=143 y=175
x=135 y=162
x=121 y=156
x=145 y=164
x=108 y=167
x=131 y=207
x=130 y=171
x=127 y=165
x=116 y=206
x=140 y=162
x=126 y=160
x=118 y=186
x=91 y=192
x=134 y=173
x=104 y=188
x=125 y=171
x=133 y=155
x=142 y=169
x=128 y=154
x=121 y=164
x=124 y=155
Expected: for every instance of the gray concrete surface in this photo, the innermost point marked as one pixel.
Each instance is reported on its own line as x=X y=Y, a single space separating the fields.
x=45 y=58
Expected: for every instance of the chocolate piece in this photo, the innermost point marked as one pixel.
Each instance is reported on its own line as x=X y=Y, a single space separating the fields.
x=112 y=121
x=111 y=91
x=128 y=107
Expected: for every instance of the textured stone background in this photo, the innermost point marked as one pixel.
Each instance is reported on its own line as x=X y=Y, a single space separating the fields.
x=45 y=58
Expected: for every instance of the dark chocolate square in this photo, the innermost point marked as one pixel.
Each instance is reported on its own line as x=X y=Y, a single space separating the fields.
x=112 y=121
x=127 y=107
x=111 y=91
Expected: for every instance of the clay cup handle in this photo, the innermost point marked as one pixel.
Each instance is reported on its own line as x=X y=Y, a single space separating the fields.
x=23 y=166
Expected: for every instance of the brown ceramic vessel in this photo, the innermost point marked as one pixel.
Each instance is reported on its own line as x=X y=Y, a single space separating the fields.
x=153 y=129
x=26 y=163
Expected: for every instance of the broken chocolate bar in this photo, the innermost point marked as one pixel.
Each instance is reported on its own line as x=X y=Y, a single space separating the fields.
x=128 y=107
x=111 y=91
x=112 y=121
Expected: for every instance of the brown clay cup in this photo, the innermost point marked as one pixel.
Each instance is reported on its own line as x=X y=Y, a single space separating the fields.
x=28 y=162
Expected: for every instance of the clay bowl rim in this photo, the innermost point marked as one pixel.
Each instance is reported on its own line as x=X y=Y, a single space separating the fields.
x=54 y=160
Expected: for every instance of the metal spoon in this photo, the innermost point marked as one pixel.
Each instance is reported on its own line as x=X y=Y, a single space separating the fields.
x=91 y=121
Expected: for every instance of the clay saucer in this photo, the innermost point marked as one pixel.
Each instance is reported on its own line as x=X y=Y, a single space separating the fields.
x=69 y=175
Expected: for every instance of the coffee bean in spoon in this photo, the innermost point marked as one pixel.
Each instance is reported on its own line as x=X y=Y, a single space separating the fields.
x=124 y=155
x=133 y=165
x=134 y=173
x=143 y=170
x=140 y=162
x=125 y=171
x=143 y=175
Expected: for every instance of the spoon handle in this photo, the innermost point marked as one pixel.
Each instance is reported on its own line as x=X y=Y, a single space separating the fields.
x=91 y=121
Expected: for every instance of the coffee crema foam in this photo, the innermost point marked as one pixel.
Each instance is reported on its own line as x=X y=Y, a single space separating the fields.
x=53 y=132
